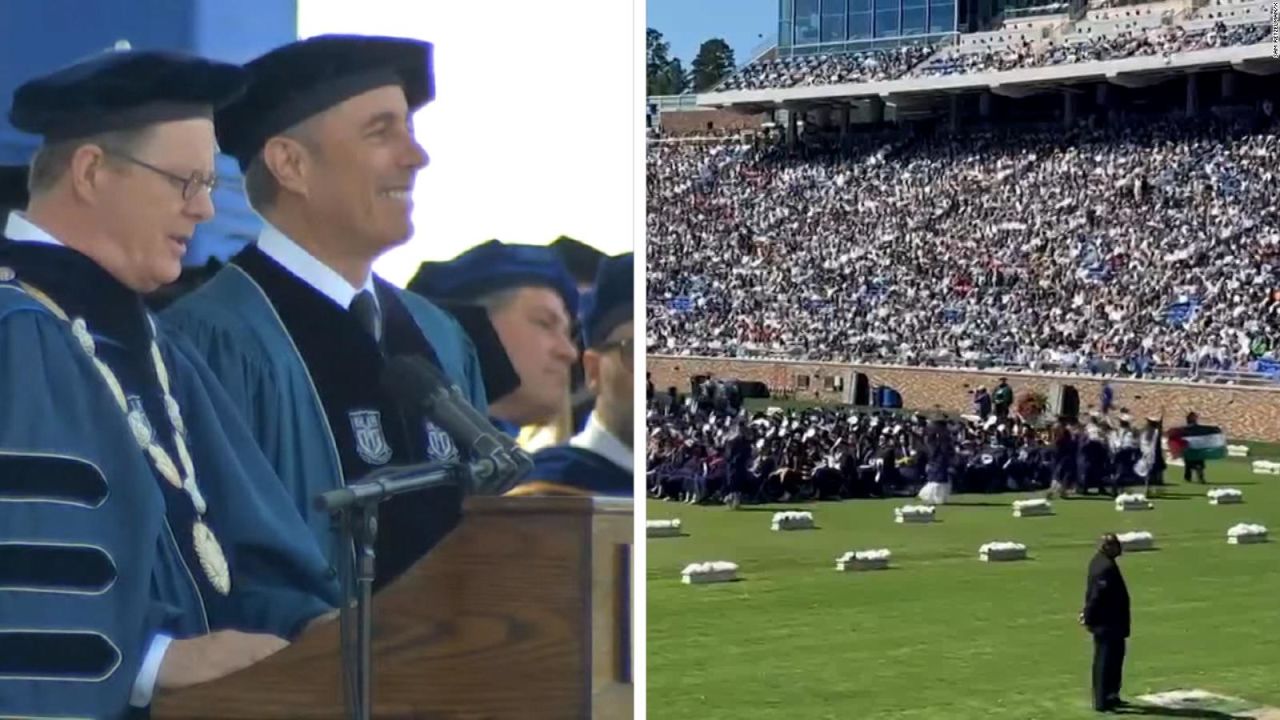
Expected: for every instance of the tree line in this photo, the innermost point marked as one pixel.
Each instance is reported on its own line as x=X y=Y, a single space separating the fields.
x=667 y=75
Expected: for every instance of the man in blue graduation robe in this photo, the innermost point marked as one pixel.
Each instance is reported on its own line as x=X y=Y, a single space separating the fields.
x=600 y=459
x=297 y=327
x=529 y=301
x=146 y=543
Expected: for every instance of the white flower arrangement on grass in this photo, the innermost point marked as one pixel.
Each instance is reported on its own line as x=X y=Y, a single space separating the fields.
x=1237 y=451
x=1032 y=508
x=1137 y=541
x=709 y=572
x=914 y=513
x=1128 y=502
x=1002 y=551
x=864 y=560
x=1246 y=533
x=793 y=520
x=1266 y=467
x=1225 y=496
x=662 y=528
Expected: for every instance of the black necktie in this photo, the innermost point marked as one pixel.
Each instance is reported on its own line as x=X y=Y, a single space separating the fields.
x=365 y=311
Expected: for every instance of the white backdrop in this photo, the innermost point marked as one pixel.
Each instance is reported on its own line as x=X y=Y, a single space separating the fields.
x=532 y=133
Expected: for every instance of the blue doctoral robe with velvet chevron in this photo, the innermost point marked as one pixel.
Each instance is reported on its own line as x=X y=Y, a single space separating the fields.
x=72 y=479
x=582 y=469
x=297 y=367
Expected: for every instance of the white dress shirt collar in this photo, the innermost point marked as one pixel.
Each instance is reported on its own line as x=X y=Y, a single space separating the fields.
x=302 y=264
x=597 y=438
x=20 y=229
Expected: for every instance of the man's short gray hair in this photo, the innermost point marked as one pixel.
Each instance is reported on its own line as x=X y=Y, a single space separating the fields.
x=261 y=187
x=52 y=161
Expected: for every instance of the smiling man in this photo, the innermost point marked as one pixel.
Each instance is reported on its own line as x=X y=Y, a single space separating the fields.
x=297 y=326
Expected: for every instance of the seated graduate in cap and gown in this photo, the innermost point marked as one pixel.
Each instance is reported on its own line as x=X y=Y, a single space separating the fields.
x=522 y=296
x=600 y=459
x=298 y=340
x=134 y=510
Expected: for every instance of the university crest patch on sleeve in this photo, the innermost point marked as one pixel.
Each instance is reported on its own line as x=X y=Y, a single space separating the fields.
x=371 y=444
x=440 y=447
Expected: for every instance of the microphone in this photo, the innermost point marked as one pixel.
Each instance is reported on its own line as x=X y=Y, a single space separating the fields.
x=499 y=464
x=395 y=480
x=423 y=369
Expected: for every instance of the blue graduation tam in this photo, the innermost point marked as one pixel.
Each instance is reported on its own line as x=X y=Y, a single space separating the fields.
x=304 y=78
x=580 y=259
x=612 y=303
x=492 y=267
x=123 y=90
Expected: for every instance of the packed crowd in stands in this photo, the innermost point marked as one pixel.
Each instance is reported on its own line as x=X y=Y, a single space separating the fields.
x=1128 y=251
x=704 y=451
x=916 y=60
x=870 y=66
x=1163 y=41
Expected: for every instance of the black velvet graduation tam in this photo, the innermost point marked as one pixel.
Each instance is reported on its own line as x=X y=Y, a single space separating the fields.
x=612 y=303
x=304 y=78
x=122 y=90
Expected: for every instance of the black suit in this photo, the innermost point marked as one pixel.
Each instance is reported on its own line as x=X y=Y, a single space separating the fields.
x=1106 y=614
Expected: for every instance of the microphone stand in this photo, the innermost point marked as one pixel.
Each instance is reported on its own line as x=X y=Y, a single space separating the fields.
x=358 y=526
x=354 y=509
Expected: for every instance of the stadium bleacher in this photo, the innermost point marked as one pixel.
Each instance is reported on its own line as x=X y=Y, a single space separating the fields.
x=1110 y=33
x=1150 y=245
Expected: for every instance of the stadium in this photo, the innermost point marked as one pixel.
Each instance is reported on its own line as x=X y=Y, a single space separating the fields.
x=1008 y=249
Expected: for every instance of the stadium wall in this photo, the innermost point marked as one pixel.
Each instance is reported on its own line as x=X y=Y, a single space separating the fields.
x=1244 y=413
x=693 y=122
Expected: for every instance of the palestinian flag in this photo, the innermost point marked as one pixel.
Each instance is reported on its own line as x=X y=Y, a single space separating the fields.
x=1197 y=442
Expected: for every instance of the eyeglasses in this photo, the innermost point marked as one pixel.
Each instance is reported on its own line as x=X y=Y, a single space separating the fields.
x=191 y=185
x=626 y=348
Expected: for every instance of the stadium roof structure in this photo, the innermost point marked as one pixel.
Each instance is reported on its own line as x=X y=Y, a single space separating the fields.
x=1257 y=59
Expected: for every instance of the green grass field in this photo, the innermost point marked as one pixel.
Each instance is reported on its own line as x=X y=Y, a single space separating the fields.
x=942 y=635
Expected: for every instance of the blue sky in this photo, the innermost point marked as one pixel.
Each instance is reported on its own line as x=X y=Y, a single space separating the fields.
x=687 y=23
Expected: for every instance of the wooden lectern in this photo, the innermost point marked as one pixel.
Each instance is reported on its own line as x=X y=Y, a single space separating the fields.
x=523 y=611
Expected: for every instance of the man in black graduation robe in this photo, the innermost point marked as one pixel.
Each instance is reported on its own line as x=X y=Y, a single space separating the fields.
x=146 y=543
x=1106 y=615
x=738 y=475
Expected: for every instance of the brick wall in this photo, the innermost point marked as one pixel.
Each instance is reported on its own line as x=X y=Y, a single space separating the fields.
x=693 y=122
x=1242 y=412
